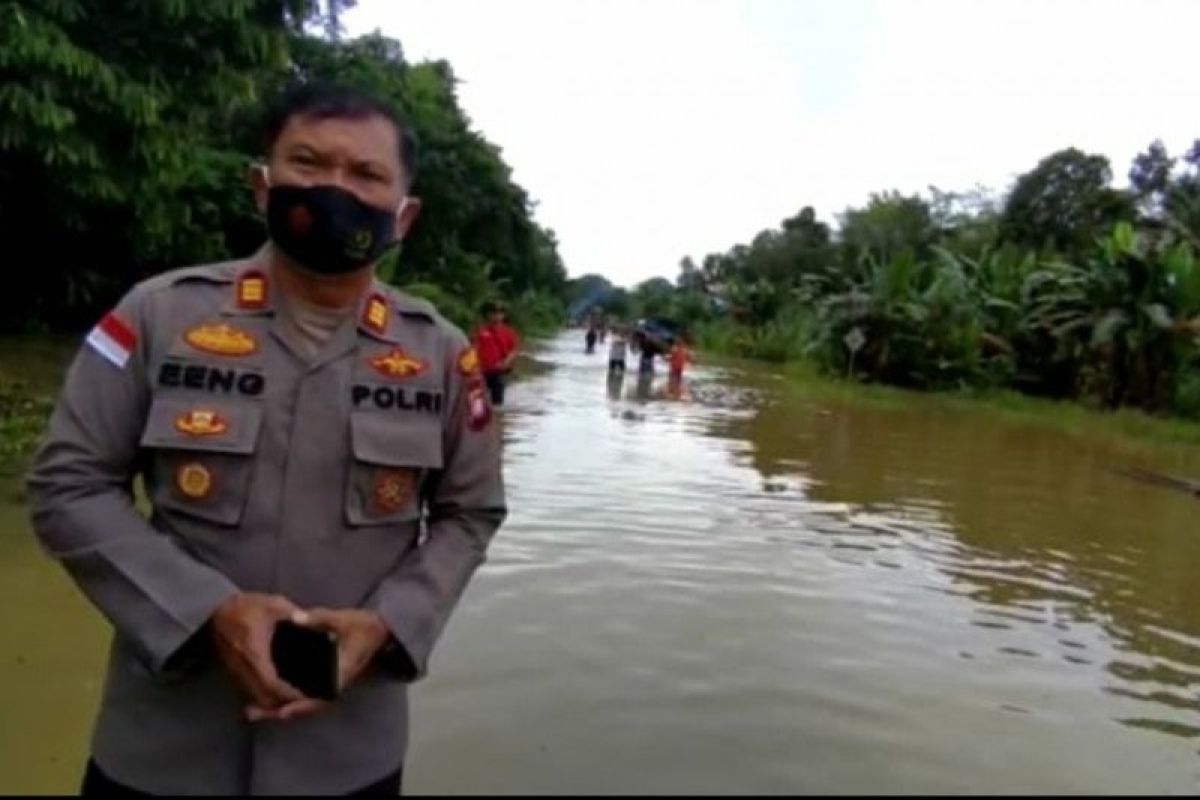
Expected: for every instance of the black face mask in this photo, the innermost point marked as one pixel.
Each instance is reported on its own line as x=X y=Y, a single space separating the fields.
x=327 y=229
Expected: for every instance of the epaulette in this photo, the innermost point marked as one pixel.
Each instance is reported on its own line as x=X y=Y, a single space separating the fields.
x=215 y=274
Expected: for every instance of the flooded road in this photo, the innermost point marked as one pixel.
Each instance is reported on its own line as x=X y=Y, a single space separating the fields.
x=749 y=589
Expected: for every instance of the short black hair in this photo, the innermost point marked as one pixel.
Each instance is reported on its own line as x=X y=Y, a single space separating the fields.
x=321 y=99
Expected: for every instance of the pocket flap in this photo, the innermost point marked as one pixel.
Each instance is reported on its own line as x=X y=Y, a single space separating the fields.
x=382 y=438
x=188 y=424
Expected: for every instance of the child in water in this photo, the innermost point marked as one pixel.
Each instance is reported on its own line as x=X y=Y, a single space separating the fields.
x=616 y=352
x=679 y=358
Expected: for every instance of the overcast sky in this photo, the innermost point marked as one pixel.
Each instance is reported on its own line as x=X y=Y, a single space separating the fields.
x=652 y=129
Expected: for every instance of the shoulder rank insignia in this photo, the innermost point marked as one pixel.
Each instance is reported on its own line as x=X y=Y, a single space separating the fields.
x=222 y=339
x=252 y=291
x=468 y=362
x=395 y=363
x=201 y=422
x=375 y=314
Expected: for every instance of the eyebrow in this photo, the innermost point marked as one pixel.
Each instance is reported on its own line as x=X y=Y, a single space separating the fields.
x=356 y=163
x=370 y=163
x=296 y=147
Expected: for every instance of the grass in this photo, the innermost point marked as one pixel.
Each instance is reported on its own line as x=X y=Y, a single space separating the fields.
x=31 y=370
x=1066 y=416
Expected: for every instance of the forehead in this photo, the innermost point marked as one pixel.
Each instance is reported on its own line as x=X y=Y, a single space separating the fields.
x=366 y=138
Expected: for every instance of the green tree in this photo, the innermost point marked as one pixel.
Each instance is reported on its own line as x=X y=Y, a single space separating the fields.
x=114 y=156
x=619 y=304
x=1065 y=204
x=1150 y=178
x=126 y=132
x=1168 y=194
x=476 y=233
x=653 y=298
x=690 y=276
x=891 y=224
x=967 y=222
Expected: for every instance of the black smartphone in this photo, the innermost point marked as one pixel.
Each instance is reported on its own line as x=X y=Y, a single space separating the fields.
x=305 y=658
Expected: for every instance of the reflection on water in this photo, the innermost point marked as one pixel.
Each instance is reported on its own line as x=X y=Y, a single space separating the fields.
x=727 y=586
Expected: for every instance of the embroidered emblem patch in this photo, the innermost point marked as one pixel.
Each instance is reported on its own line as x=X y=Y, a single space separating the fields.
x=194 y=481
x=201 y=422
x=222 y=339
x=468 y=362
x=397 y=364
x=392 y=490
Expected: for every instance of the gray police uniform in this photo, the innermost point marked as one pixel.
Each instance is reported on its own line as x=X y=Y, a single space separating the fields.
x=365 y=477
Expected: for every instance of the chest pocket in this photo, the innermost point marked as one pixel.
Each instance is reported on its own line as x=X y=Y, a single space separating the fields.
x=202 y=456
x=392 y=460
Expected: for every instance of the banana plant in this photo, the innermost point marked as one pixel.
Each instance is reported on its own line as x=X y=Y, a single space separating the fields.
x=1116 y=322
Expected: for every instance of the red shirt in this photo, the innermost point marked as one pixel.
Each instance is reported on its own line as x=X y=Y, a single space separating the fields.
x=506 y=337
x=494 y=343
x=488 y=348
x=679 y=358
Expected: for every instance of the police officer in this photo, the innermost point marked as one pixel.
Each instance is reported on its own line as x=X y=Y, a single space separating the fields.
x=316 y=447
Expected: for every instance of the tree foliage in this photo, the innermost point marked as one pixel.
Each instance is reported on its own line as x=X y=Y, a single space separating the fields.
x=1065 y=287
x=1064 y=204
x=126 y=131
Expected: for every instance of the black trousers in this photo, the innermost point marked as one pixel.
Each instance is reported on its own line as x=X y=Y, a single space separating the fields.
x=97 y=784
x=495 y=384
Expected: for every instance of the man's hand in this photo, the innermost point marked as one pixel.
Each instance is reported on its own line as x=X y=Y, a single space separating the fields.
x=242 y=628
x=360 y=635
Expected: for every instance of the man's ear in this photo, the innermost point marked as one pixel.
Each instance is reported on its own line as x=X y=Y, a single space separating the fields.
x=407 y=215
x=259 y=183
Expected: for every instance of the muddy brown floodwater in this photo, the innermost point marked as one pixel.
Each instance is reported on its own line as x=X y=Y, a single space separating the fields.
x=745 y=588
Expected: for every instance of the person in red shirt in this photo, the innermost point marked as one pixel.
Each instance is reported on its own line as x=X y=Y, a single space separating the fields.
x=497 y=344
x=680 y=357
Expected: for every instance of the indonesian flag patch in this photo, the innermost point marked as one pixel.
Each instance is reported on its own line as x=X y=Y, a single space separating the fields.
x=113 y=339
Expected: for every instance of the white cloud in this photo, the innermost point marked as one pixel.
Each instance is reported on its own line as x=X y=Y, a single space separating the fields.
x=650 y=129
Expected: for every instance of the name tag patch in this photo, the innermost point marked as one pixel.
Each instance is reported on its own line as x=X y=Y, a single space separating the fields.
x=401 y=399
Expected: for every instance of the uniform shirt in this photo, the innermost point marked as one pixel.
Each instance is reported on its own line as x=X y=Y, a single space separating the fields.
x=309 y=327
x=367 y=476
